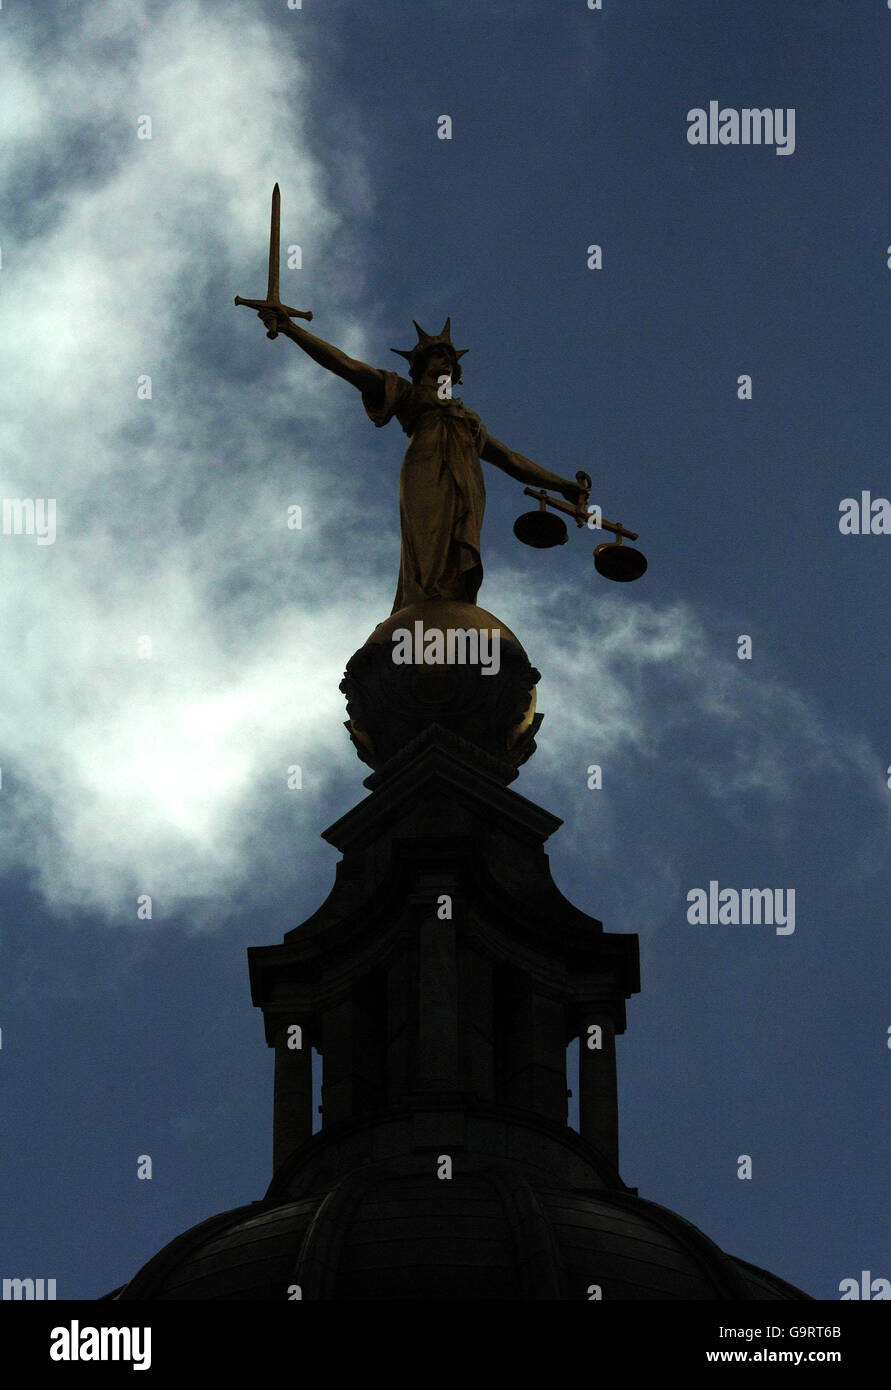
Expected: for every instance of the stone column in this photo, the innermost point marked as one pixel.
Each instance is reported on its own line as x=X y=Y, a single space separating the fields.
x=598 y=1097
x=292 y=1110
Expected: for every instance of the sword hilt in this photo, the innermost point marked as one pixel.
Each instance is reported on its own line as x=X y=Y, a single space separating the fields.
x=274 y=304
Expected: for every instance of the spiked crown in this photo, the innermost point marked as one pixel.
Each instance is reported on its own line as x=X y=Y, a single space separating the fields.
x=416 y=357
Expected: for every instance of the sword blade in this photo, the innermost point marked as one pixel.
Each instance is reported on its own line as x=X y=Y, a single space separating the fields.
x=272 y=284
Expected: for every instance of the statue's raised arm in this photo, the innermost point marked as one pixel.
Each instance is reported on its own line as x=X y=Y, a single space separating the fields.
x=366 y=379
x=277 y=317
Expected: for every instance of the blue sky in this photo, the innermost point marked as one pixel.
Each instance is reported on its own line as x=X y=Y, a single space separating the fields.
x=166 y=776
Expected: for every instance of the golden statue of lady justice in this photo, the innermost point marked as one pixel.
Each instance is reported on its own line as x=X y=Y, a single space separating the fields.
x=441 y=490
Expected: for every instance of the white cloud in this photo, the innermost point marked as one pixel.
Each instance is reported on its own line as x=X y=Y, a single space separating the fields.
x=692 y=743
x=634 y=675
x=124 y=775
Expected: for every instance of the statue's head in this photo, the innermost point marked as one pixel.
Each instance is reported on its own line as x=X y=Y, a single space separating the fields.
x=436 y=363
x=433 y=353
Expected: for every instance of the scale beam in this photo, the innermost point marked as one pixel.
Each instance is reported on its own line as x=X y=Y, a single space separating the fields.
x=541 y=530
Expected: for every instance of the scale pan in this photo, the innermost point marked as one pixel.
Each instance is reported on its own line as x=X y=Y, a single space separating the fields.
x=619 y=562
x=541 y=530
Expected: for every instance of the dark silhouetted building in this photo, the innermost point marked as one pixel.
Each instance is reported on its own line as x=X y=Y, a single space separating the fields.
x=442 y=981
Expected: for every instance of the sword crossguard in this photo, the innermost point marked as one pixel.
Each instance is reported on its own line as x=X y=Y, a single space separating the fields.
x=274 y=304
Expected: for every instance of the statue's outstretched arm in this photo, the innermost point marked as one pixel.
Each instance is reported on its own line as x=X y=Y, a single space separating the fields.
x=525 y=471
x=359 y=374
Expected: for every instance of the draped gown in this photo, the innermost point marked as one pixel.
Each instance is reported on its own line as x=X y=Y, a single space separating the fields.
x=442 y=495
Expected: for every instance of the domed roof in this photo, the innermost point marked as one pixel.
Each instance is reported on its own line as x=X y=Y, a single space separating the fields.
x=453 y=665
x=487 y=1234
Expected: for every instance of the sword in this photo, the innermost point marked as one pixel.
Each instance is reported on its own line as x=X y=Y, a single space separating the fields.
x=272 y=300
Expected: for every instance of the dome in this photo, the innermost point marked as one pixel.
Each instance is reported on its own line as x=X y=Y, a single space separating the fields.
x=442 y=662
x=487 y=1234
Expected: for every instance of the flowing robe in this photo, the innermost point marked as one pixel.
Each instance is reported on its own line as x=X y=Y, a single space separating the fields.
x=442 y=495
